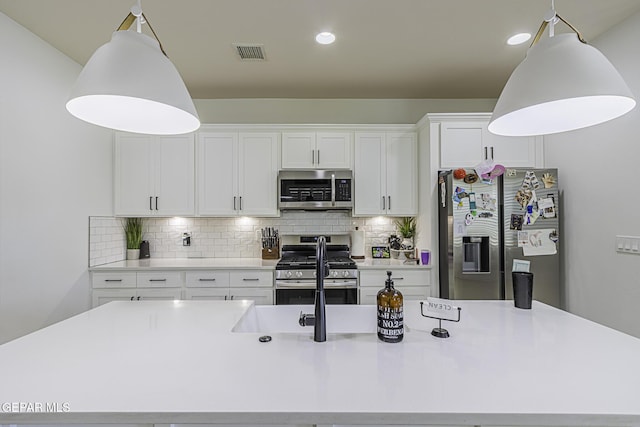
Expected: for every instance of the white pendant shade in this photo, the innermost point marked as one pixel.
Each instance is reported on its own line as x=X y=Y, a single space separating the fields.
x=130 y=85
x=562 y=85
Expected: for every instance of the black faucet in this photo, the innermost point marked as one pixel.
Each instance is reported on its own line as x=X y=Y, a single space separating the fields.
x=319 y=318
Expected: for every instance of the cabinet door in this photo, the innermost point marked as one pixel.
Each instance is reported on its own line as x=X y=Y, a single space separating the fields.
x=174 y=175
x=258 y=174
x=134 y=170
x=261 y=296
x=221 y=294
x=512 y=151
x=402 y=174
x=333 y=150
x=368 y=296
x=159 y=294
x=298 y=150
x=369 y=174
x=103 y=296
x=217 y=171
x=461 y=144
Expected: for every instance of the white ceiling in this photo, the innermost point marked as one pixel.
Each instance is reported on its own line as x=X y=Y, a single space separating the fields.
x=384 y=48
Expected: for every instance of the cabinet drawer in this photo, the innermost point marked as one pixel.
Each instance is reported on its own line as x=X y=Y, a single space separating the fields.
x=251 y=278
x=114 y=280
x=207 y=279
x=159 y=279
x=400 y=277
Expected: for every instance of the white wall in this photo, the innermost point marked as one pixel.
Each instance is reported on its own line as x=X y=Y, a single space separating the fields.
x=55 y=171
x=332 y=111
x=598 y=170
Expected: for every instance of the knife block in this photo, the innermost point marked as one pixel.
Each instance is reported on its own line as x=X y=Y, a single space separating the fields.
x=271 y=253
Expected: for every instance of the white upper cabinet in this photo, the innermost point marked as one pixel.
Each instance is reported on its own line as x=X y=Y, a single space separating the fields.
x=154 y=175
x=386 y=174
x=316 y=150
x=237 y=173
x=464 y=141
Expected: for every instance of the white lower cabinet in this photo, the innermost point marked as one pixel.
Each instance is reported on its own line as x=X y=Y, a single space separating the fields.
x=256 y=285
x=415 y=284
x=250 y=284
x=136 y=286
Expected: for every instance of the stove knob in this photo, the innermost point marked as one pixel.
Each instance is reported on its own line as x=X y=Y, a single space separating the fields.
x=288 y=274
x=314 y=274
x=334 y=273
x=298 y=274
x=345 y=273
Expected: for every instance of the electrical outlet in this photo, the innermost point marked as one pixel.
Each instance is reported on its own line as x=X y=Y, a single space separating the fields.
x=628 y=244
x=186 y=239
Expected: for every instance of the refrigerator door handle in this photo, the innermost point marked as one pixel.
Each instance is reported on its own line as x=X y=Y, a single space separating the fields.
x=443 y=194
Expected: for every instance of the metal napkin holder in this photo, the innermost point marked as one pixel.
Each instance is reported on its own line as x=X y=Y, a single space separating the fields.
x=439 y=332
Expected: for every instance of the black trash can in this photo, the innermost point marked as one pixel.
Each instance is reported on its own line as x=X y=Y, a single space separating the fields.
x=522 y=288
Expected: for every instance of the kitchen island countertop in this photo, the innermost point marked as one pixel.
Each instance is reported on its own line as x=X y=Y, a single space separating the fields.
x=179 y=362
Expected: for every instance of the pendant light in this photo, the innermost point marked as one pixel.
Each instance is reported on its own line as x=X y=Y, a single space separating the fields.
x=129 y=84
x=563 y=84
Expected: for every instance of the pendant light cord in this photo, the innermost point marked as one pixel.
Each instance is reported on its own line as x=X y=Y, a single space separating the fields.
x=544 y=25
x=130 y=19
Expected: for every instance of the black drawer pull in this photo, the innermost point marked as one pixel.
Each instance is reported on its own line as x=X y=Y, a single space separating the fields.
x=157 y=280
x=250 y=280
x=113 y=280
x=207 y=280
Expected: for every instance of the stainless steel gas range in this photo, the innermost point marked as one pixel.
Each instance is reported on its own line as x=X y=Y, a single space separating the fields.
x=296 y=274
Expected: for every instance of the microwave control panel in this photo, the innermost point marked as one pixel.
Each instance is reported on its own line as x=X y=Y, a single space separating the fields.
x=343 y=190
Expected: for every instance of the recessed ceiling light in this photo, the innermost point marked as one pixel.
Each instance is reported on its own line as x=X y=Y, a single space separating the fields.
x=325 y=37
x=518 y=39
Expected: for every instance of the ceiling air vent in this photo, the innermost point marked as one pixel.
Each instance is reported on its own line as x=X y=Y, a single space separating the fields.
x=250 y=52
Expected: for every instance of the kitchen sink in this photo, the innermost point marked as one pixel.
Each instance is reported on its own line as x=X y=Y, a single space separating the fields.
x=341 y=319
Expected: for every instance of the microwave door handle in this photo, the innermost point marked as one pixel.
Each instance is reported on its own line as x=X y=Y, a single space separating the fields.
x=333 y=186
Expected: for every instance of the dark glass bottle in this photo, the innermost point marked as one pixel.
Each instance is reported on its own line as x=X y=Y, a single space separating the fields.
x=390 y=313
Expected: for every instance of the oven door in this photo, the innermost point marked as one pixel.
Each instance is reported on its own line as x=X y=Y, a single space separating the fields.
x=307 y=296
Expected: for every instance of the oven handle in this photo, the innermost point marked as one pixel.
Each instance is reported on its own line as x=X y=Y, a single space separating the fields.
x=341 y=285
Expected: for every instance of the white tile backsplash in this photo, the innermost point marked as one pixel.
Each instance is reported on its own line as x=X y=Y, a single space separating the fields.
x=225 y=237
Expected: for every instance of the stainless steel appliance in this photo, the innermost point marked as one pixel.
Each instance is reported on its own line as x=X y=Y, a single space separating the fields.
x=296 y=274
x=315 y=190
x=484 y=226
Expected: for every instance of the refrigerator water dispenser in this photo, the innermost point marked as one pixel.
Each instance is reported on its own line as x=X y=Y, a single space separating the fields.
x=475 y=254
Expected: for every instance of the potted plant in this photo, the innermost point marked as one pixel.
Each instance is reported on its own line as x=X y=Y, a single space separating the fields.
x=133 y=233
x=406 y=227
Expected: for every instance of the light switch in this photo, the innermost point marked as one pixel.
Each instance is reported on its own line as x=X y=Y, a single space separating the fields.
x=628 y=244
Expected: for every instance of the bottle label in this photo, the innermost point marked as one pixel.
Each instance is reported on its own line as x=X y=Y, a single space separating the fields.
x=390 y=322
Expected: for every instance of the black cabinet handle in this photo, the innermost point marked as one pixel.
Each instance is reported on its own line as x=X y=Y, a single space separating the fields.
x=231 y=298
x=132 y=298
x=113 y=280
x=240 y=202
x=138 y=298
x=157 y=280
x=389 y=204
x=150 y=199
x=156 y=202
x=207 y=280
x=250 y=280
x=491 y=153
x=234 y=203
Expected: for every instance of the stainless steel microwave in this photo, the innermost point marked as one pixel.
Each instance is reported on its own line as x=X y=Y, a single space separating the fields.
x=315 y=190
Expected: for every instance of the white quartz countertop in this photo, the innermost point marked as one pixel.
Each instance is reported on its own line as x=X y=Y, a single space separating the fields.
x=179 y=362
x=231 y=263
x=188 y=264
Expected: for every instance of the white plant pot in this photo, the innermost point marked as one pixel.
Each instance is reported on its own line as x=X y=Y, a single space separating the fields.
x=133 y=253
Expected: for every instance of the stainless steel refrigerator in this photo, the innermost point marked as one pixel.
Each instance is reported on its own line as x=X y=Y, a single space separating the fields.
x=489 y=227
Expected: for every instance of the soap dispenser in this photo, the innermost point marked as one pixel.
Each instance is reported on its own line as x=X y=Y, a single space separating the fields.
x=390 y=313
